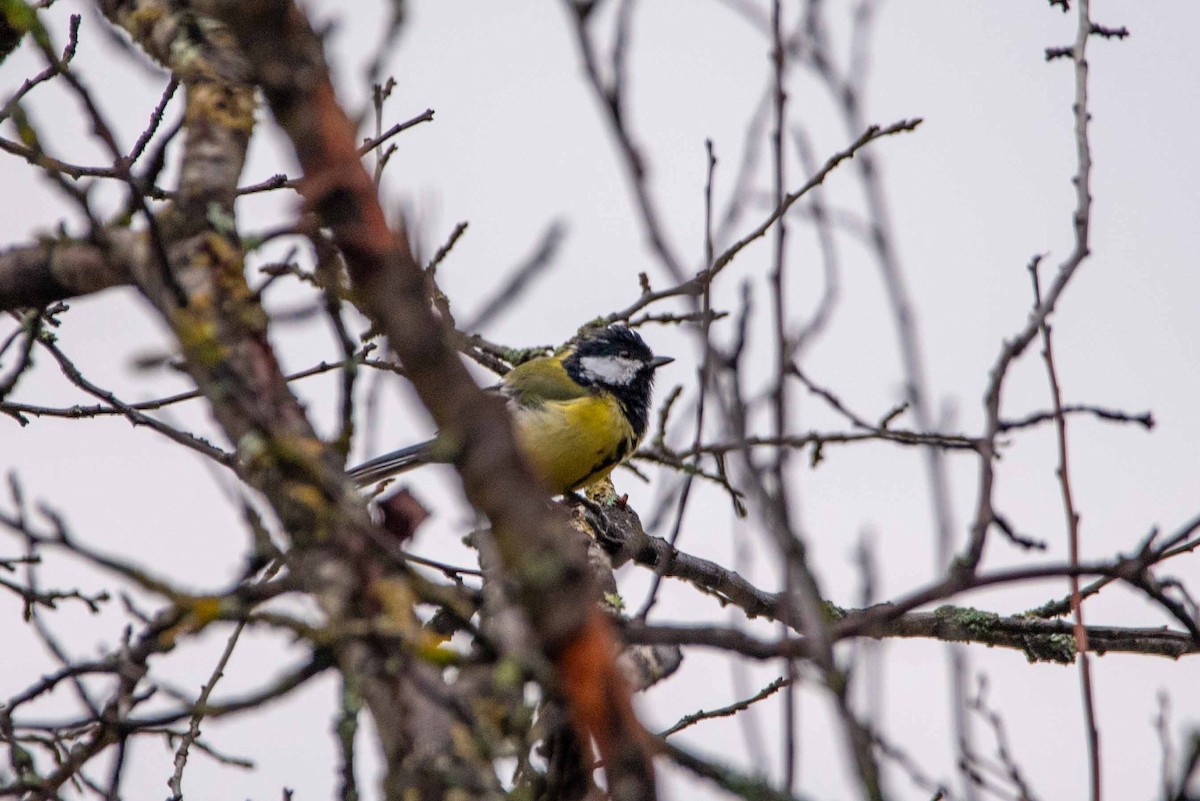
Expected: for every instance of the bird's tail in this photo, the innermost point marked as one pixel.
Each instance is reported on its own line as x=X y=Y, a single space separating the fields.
x=390 y=464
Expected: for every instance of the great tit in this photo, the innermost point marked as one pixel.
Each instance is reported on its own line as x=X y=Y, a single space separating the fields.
x=576 y=414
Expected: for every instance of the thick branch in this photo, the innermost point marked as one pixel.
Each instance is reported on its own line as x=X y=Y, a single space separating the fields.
x=1039 y=640
x=287 y=61
x=36 y=275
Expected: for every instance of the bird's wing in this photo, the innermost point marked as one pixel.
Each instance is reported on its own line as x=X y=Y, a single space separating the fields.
x=540 y=380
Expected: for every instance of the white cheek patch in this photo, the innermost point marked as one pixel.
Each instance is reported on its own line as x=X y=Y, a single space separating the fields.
x=613 y=370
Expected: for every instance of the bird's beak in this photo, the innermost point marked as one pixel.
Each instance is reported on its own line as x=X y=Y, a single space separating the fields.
x=659 y=361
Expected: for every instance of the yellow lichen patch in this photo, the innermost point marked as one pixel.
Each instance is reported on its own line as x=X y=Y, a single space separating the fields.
x=252 y=450
x=222 y=105
x=310 y=512
x=198 y=612
x=298 y=455
x=225 y=261
x=198 y=336
x=25 y=131
x=308 y=495
x=140 y=22
x=225 y=255
x=508 y=675
x=205 y=610
x=431 y=648
x=145 y=15
x=396 y=600
x=602 y=492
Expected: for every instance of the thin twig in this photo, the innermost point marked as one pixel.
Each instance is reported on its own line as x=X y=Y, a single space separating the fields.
x=725 y=711
x=193 y=730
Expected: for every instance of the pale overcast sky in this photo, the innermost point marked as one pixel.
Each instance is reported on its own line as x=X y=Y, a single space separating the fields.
x=518 y=142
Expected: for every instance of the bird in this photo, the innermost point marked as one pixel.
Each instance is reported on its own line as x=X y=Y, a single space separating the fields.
x=576 y=414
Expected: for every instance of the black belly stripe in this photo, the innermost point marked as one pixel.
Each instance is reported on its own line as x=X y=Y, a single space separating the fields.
x=624 y=448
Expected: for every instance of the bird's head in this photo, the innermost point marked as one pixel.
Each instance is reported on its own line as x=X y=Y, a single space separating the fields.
x=618 y=360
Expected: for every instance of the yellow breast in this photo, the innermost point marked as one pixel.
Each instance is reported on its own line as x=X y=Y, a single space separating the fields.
x=571 y=443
